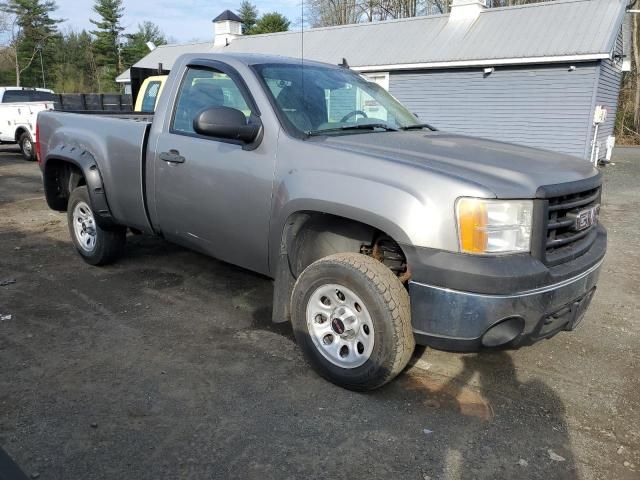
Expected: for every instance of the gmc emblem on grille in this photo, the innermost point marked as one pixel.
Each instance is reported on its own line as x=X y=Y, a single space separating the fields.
x=585 y=218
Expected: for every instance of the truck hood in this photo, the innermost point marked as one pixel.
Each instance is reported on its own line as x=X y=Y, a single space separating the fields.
x=507 y=170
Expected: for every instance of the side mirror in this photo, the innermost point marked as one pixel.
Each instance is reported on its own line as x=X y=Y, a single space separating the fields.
x=225 y=122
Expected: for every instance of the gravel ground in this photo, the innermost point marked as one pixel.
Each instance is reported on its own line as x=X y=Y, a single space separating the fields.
x=166 y=365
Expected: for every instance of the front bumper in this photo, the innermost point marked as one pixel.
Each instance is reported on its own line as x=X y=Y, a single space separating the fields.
x=463 y=321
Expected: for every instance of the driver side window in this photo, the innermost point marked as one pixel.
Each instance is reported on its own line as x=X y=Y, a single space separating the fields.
x=201 y=89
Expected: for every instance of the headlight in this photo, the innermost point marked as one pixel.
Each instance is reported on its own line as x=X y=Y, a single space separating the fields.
x=494 y=226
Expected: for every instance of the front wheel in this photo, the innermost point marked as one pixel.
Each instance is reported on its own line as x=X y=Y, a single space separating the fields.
x=26 y=147
x=95 y=245
x=351 y=317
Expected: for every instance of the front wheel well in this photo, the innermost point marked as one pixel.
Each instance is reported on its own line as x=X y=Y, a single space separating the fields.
x=60 y=179
x=309 y=236
x=315 y=235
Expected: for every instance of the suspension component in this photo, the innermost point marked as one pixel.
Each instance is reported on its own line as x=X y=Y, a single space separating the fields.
x=387 y=251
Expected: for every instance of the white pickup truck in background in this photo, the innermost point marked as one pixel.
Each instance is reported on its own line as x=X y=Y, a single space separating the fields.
x=19 y=108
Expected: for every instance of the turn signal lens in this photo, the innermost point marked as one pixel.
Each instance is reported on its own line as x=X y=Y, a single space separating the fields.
x=472 y=224
x=494 y=226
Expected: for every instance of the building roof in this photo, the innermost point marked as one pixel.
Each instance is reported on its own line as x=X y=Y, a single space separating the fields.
x=227 y=15
x=562 y=30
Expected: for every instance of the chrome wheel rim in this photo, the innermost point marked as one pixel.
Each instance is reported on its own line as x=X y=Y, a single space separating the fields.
x=84 y=226
x=340 y=325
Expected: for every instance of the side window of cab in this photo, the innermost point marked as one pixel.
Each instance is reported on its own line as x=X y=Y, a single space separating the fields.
x=201 y=89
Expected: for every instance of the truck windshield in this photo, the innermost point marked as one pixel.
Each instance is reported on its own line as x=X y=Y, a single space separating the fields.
x=317 y=100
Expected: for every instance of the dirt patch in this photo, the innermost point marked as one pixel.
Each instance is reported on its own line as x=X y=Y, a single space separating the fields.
x=443 y=392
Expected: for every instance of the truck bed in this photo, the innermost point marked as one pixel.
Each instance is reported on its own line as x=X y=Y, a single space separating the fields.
x=116 y=141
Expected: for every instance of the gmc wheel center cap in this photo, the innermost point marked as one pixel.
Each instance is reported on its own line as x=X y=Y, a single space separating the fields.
x=337 y=326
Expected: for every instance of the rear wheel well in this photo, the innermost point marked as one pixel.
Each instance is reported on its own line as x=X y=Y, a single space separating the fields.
x=19 y=133
x=60 y=179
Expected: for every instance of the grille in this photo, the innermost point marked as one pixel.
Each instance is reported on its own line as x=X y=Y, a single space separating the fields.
x=563 y=241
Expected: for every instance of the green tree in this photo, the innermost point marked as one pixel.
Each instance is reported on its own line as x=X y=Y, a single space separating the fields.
x=136 y=43
x=76 y=70
x=248 y=12
x=32 y=37
x=271 y=23
x=107 y=41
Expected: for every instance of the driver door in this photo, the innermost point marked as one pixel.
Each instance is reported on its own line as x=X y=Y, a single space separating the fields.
x=211 y=194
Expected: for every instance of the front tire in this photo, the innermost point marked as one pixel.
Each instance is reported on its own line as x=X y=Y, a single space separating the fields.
x=352 y=320
x=26 y=147
x=95 y=245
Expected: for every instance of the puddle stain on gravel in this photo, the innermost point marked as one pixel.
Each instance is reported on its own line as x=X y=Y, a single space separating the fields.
x=440 y=392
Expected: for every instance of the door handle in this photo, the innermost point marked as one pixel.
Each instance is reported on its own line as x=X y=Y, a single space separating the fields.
x=172 y=156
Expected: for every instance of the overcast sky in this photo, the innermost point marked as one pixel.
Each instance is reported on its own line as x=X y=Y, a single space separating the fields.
x=181 y=20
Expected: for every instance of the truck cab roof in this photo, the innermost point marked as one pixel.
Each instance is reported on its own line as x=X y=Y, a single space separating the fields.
x=25 y=94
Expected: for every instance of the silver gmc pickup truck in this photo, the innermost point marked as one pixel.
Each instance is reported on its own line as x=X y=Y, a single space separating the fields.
x=379 y=231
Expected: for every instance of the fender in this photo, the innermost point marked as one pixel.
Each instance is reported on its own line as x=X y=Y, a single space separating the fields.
x=303 y=193
x=89 y=168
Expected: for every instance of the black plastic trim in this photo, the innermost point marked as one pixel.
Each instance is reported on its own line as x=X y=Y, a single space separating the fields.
x=87 y=164
x=564 y=249
x=558 y=189
x=449 y=344
x=498 y=275
x=576 y=203
x=468 y=345
x=546 y=326
x=476 y=274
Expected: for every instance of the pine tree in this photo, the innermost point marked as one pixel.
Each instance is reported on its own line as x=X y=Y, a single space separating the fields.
x=136 y=44
x=271 y=23
x=107 y=41
x=33 y=38
x=248 y=12
x=75 y=69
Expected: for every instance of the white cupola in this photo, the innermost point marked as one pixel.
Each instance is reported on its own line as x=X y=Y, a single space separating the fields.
x=226 y=27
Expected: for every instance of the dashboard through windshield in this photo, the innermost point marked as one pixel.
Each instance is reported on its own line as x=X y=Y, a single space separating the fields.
x=317 y=100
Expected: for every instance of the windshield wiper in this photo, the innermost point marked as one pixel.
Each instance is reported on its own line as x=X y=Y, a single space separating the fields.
x=361 y=126
x=419 y=126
